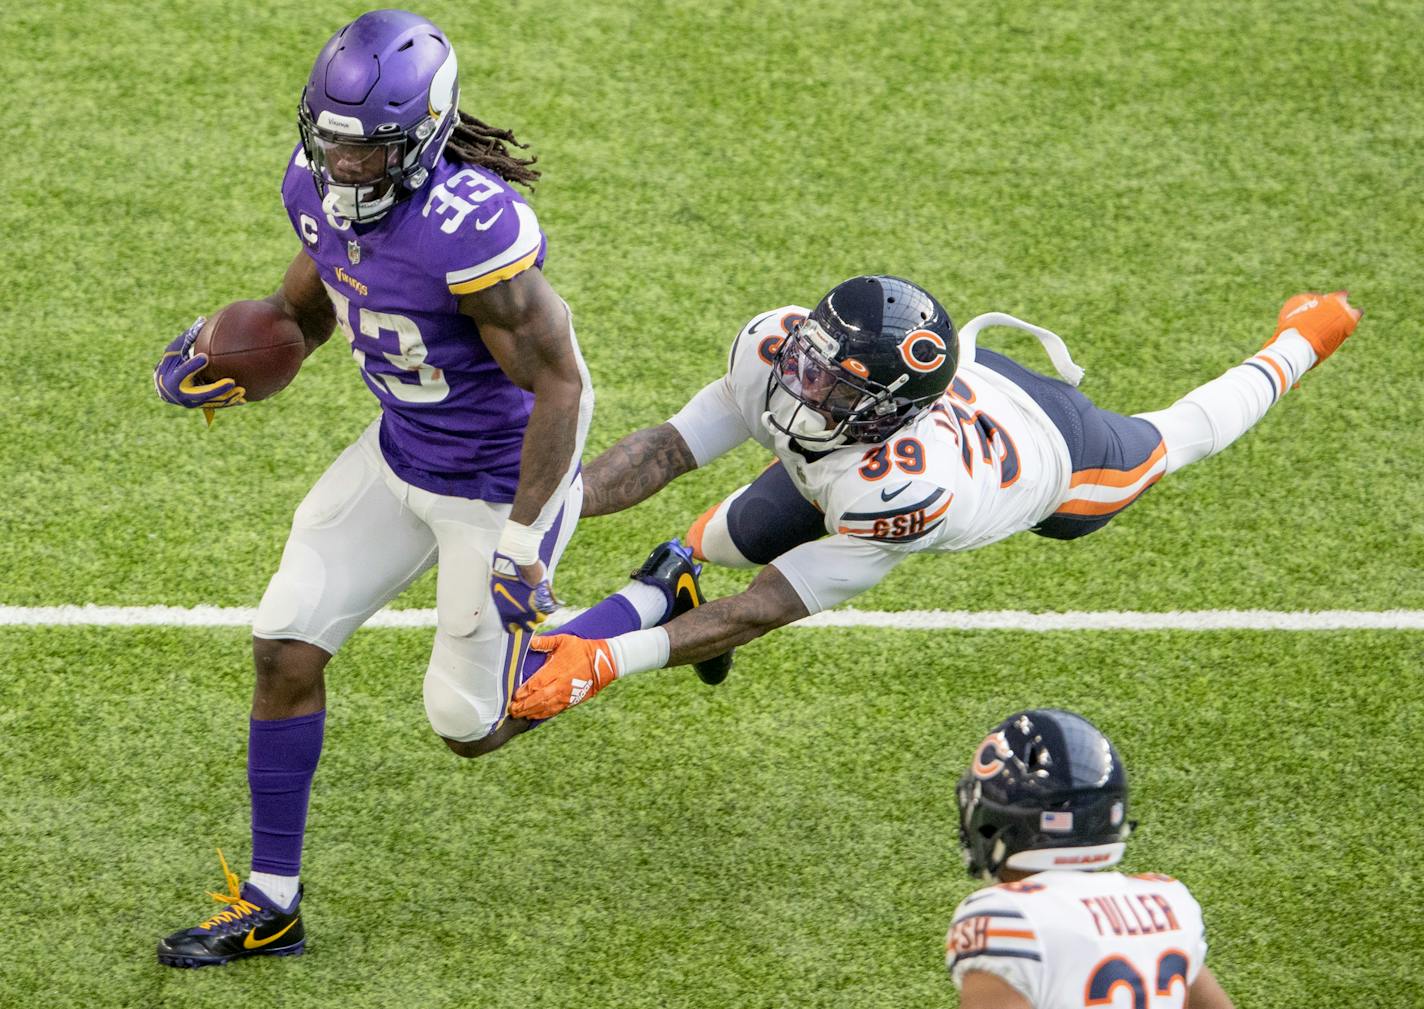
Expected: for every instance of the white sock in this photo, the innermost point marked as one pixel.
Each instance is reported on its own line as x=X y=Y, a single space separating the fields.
x=282 y=889
x=648 y=600
x=639 y=651
x=1212 y=416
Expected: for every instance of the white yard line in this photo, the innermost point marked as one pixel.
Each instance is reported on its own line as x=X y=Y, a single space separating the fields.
x=945 y=620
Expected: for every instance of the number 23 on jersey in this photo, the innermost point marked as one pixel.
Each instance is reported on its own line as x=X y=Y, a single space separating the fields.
x=1116 y=973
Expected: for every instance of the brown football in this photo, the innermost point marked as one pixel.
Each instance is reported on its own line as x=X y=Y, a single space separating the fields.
x=255 y=344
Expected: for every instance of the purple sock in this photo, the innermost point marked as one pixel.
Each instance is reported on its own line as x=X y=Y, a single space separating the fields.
x=614 y=615
x=281 y=760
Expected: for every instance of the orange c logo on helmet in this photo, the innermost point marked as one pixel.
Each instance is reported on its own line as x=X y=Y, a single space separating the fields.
x=907 y=350
x=986 y=764
x=853 y=366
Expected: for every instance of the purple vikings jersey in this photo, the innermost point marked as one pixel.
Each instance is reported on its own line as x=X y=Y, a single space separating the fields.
x=452 y=422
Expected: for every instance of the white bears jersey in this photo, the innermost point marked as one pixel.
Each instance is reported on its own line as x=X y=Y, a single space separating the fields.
x=986 y=462
x=1069 y=939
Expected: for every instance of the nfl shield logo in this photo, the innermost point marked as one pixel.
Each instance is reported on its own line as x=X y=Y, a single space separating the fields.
x=353 y=252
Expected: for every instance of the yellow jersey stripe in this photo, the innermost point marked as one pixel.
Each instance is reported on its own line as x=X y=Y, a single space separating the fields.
x=526 y=241
x=495 y=276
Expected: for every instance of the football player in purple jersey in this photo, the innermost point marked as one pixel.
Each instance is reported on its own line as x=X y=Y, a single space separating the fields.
x=416 y=246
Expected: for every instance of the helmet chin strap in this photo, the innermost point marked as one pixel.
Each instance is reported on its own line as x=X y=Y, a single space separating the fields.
x=803 y=423
x=345 y=201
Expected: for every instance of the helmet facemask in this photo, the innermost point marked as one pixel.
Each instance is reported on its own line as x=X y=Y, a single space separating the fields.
x=832 y=404
x=995 y=836
x=361 y=177
x=980 y=845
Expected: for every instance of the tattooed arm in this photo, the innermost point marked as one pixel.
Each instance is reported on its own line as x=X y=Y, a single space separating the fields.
x=635 y=469
x=710 y=425
x=769 y=602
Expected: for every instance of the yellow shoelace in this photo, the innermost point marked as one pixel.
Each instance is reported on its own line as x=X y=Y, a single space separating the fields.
x=237 y=907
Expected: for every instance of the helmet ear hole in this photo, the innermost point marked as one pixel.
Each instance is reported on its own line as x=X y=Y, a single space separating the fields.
x=987 y=831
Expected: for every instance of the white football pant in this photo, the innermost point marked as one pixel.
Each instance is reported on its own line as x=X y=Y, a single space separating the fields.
x=360 y=537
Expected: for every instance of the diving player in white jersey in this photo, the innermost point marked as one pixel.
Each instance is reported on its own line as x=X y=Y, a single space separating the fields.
x=1042 y=811
x=894 y=439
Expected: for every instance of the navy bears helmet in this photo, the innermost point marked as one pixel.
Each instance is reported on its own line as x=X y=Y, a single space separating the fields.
x=1047 y=790
x=873 y=356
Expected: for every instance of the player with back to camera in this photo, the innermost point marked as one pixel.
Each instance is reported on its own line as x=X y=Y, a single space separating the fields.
x=416 y=246
x=1042 y=814
x=891 y=439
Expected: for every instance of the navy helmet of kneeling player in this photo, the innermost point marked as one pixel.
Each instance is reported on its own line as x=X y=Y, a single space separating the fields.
x=874 y=354
x=1047 y=790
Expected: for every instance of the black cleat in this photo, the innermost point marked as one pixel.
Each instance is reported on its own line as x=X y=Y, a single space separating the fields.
x=249 y=926
x=670 y=568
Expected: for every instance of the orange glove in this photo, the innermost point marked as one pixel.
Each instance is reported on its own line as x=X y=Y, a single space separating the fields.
x=577 y=669
x=1325 y=320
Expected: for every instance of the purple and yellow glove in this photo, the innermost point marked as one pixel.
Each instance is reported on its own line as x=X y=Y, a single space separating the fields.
x=175 y=378
x=519 y=603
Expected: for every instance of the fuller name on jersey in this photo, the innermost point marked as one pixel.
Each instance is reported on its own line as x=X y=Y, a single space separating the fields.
x=1066 y=939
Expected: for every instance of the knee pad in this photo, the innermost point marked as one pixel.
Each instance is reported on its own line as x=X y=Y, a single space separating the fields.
x=762 y=521
x=711 y=541
x=468 y=684
x=451 y=713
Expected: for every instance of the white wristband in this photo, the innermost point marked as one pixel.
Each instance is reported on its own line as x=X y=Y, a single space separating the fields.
x=639 y=651
x=520 y=543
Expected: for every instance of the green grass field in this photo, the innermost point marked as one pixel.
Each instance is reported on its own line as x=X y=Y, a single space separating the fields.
x=1149 y=180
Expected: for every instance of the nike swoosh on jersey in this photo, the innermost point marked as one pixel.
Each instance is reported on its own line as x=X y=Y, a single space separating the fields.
x=900 y=510
x=250 y=940
x=752 y=328
x=898 y=491
x=487 y=224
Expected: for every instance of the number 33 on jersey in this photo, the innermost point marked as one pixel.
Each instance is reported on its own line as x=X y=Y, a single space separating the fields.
x=452 y=421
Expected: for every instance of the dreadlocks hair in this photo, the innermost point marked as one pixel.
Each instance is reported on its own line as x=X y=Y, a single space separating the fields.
x=478 y=143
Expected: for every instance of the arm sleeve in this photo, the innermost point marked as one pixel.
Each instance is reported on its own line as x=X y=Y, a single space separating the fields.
x=827 y=572
x=710 y=423
x=991 y=934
